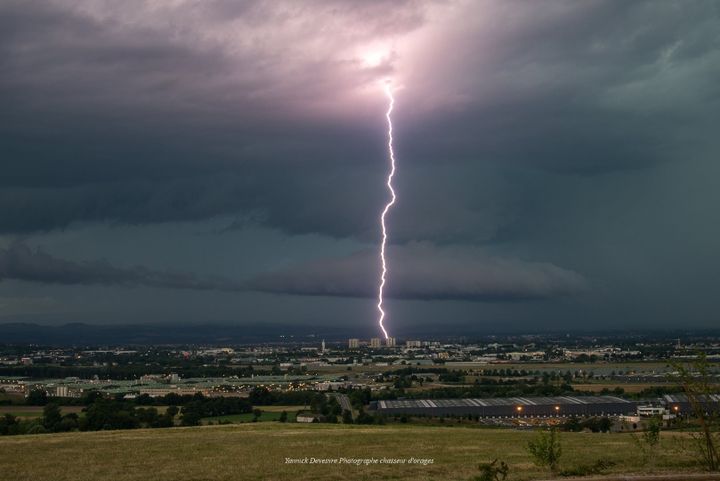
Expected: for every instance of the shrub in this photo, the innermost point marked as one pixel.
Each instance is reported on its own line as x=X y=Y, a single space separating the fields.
x=649 y=440
x=546 y=450
x=36 y=428
x=598 y=467
x=493 y=471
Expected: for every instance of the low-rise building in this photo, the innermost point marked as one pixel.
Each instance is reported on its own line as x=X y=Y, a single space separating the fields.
x=164 y=391
x=306 y=417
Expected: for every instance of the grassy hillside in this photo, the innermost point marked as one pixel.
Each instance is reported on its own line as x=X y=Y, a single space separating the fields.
x=258 y=451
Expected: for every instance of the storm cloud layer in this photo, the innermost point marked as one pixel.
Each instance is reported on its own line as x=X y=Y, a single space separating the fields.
x=21 y=263
x=108 y=108
x=554 y=150
x=425 y=272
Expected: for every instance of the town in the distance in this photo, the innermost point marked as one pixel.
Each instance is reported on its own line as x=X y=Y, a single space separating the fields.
x=573 y=382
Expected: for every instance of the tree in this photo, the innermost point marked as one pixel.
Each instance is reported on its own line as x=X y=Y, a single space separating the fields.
x=573 y=425
x=144 y=400
x=190 y=418
x=359 y=397
x=696 y=380
x=319 y=404
x=109 y=414
x=172 y=411
x=148 y=416
x=173 y=399
x=37 y=397
x=51 y=416
x=90 y=397
x=69 y=422
x=347 y=416
x=605 y=424
x=283 y=417
x=9 y=424
x=256 y=414
x=261 y=396
x=364 y=418
x=546 y=450
x=334 y=408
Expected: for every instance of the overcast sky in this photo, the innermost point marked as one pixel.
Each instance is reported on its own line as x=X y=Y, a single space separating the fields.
x=224 y=160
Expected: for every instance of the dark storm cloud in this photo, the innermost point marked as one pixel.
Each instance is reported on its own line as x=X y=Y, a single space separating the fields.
x=118 y=121
x=575 y=87
x=21 y=263
x=426 y=272
x=420 y=271
x=576 y=136
x=251 y=108
x=138 y=201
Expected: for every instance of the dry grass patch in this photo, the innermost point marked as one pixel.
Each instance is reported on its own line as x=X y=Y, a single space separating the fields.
x=258 y=452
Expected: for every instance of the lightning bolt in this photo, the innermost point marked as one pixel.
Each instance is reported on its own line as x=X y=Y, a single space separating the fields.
x=391 y=154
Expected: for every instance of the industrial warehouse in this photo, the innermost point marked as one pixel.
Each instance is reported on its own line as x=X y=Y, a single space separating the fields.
x=511 y=407
x=679 y=403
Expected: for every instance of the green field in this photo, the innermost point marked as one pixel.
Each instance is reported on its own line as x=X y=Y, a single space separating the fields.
x=279 y=408
x=248 y=417
x=35 y=411
x=257 y=451
x=270 y=413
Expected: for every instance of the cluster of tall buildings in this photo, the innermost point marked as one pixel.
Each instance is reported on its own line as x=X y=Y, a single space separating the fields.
x=377 y=343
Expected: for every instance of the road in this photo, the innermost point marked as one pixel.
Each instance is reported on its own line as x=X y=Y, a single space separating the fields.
x=343 y=400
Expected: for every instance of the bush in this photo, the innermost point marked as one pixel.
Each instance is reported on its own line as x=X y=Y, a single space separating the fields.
x=364 y=418
x=36 y=428
x=546 y=450
x=649 y=440
x=594 y=424
x=493 y=471
x=598 y=467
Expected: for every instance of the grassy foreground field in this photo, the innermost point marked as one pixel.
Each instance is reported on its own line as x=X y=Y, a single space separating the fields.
x=257 y=452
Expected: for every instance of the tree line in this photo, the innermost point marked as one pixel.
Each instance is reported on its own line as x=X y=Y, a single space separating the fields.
x=103 y=413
